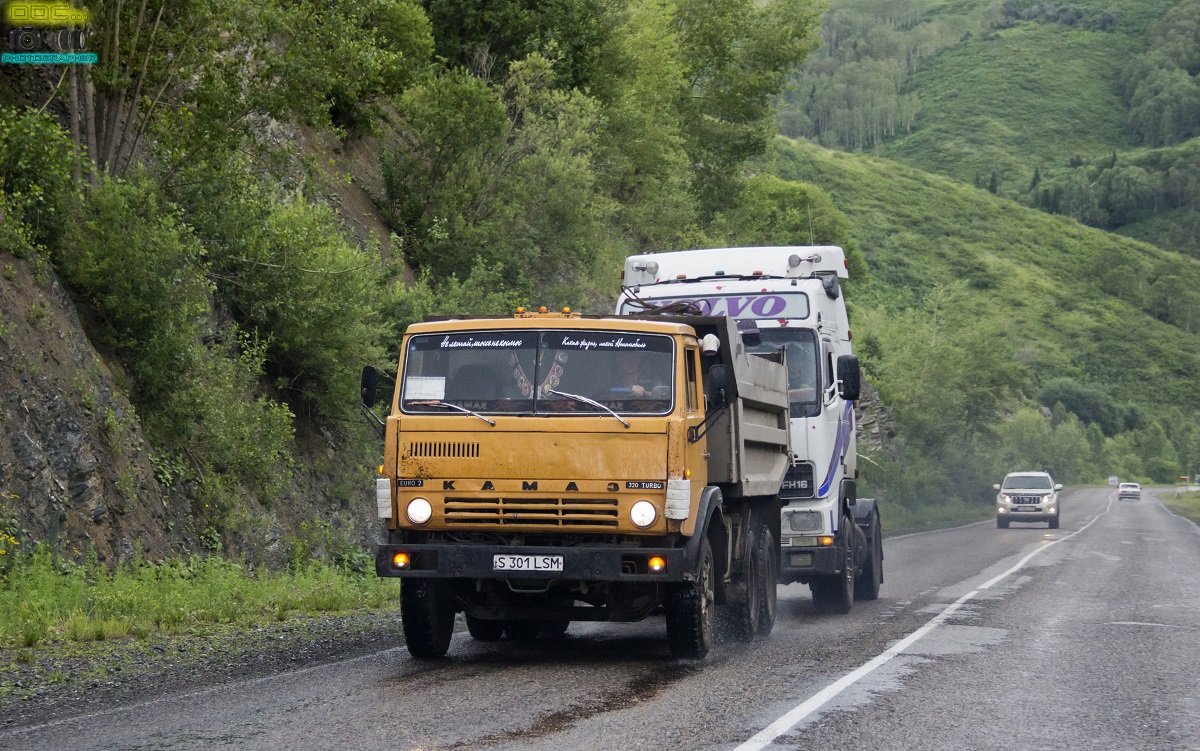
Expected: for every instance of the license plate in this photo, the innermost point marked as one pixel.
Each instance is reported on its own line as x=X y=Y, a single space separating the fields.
x=527 y=563
x=1027 y=508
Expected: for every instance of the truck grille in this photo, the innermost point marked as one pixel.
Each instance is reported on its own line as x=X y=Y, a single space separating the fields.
x=1025 y=500
x=540 y=512
x=439 y=449
x=798 y=482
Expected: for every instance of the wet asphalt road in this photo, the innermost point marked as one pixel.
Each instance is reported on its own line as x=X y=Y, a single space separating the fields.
x=1091 y=643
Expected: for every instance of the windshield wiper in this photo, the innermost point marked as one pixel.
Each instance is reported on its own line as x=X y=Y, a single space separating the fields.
x=592 y=402
x=448 y=405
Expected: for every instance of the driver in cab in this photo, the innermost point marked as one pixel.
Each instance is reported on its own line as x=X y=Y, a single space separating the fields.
x=629 y=375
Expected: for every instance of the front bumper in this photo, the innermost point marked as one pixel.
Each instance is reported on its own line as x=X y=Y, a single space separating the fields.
x=1039 y=513
x=804 y=563
x=585 y=563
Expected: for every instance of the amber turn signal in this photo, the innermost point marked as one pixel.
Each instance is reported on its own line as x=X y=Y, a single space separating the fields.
x=400 y=560
x=657 y=564
x=827 y=540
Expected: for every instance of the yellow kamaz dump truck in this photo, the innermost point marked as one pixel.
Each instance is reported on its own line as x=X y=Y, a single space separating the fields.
x=546 y=468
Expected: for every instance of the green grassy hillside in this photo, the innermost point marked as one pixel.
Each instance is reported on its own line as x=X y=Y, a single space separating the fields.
x=1004 y=336
x=1081 y=301
x=1030 y=100
x=1010 y=101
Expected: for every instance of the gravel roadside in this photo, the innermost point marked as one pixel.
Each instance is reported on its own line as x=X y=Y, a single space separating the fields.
x=62 y=679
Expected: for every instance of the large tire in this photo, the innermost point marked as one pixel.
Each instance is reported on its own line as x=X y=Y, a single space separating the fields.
x=689 y=609
x=740 y=616
x=1001 y=523
x=767 y=579
x=866 y=586
x=484 y=630
x=1054 y=523
x=835 y=594
x=554 y=628
x=428 y=617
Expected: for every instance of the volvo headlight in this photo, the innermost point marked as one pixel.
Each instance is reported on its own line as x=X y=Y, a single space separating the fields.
x=804 y=521
x=643 y=514
x=419 y=511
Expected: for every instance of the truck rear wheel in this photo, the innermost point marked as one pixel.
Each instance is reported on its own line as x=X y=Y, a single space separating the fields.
x=767 y=580
x=689 y=609
x=835 y=594
x=866 y=587
x=741 y=615
x=428 y=617
x=483 y=630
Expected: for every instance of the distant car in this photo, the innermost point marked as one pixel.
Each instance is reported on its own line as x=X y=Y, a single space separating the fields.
x=1027 y=497
x=1129 y=491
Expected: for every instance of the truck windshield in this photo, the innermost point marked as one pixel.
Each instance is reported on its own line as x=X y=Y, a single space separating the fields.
x=1027 y=482
x=804 y=382
x=513 y=372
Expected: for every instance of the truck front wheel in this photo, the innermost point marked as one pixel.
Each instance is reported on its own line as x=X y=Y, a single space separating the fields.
x=689 y=609
x=428 y=617
x=835 y=594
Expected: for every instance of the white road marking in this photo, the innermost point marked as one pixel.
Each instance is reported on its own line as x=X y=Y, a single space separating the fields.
x=800 y=712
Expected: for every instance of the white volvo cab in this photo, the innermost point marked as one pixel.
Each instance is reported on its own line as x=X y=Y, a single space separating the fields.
x=789 y=298
x=1027 y=497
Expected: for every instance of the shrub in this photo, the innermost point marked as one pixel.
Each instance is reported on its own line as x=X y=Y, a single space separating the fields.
x=35 y=173
x=312 y=297
x=131 y=257
x=217 y=416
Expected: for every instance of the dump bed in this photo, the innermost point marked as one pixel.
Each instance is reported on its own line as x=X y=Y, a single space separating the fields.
x=748 y=441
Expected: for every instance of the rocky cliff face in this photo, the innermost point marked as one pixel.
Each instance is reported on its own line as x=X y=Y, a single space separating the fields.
x=873 y=423
x=73 y=465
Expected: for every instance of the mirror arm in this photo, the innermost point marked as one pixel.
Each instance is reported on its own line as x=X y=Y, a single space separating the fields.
x=696 y=432
x=377 y=423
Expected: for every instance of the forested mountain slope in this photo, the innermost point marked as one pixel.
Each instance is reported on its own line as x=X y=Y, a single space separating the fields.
x=183 y=192
x=977 y=305
x=1051 y=104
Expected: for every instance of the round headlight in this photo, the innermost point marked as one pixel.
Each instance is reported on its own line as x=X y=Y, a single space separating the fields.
x=643 y=513
x=419 y=511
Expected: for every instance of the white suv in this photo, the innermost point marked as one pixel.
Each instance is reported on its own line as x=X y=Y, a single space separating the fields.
x=1027 y=497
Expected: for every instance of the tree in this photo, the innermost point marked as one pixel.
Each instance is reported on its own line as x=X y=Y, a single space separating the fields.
x=779 y=212
x=193 y=74
x=1161 y=462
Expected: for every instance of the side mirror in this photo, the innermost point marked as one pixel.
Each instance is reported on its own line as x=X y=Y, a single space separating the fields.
x=849 y=377
x=367 y=391
x=996 y=486
x=718 y=380
x=1058 y=486
x=830 y=283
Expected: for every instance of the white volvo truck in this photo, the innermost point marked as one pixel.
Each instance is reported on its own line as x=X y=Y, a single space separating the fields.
x=789 y=298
